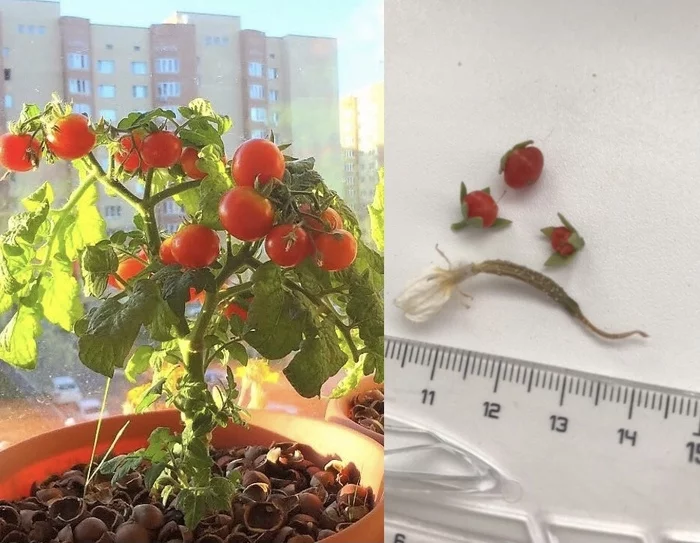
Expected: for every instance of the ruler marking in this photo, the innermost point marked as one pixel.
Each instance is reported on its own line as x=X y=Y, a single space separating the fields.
x=432 y=373
x=646 y=399
x=492 y=365
x=517 y=377
x=466 y=367
x=571 y=384
x=511 y=371
x=590 y=389
x=529 y=382
x=695 y=408
x=673 y=408
x=498 y=377
x=563 y=391
x=605 y=391
x=687 y=408
x=422 y=356
x=624 y=400
x=597 y=393
x=441 y=355
x=393 y=348
x=629 y=414
x=639 y=398
x=619 y=393
x=680 y=406
x=478 y=371
x=668 y=402
x=461 y=362
x=551 y=378
x=537 y=382
x=653 y=400
x=405 y=353
x=556 y=385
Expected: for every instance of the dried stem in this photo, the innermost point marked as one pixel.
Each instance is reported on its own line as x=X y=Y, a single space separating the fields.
x=551 y=289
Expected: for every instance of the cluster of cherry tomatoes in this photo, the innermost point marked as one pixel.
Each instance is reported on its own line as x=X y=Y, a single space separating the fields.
x=244 y=212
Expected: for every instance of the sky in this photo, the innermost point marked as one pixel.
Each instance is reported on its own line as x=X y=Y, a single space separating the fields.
x=357 y=24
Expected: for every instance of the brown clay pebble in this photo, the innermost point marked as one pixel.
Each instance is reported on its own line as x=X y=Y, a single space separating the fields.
x=148 y=516
x=132 y=533
x=89 y=530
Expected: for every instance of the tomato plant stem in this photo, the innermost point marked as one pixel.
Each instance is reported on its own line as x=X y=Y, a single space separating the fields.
x=148 y=184
x=171 y=191
x=120 y=189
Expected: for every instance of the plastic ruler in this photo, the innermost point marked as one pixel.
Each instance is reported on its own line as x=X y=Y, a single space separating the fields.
x=485 y=449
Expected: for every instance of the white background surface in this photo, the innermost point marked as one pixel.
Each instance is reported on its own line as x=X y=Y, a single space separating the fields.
x=610 y=91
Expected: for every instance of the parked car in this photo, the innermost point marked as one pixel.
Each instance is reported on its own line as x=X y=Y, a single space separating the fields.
x=88 y=409
x=66 y=390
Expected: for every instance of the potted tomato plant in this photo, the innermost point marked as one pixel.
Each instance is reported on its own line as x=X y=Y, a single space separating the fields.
x=277 y=261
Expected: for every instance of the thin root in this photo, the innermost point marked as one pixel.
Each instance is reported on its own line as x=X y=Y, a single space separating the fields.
x=608 y=335
x=444 y=256
x=466 y=297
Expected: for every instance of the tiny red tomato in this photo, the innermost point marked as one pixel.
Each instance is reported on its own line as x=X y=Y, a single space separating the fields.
x=188 y=161
x=560 y=241
x=166 y=252
x=128 y=153
x=482 y=205
x=335 y=250
x=161 y=149
x=257 y=159
x=195 y=246
x=522 y=165
x=196 y=296
x=287 y=245
x=236 y=309
x=128 y=269
x=71 y=137
x=246 y=214
x=329 y=220
x=19 y=152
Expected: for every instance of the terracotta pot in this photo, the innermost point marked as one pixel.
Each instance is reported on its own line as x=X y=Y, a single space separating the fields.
x=338 y=410
x=38 y=457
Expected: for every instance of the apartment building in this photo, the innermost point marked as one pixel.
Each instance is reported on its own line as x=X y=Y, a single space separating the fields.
x=287 y=84
x=362 y=141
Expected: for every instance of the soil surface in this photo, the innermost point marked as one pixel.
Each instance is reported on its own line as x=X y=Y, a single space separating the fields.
x=367 y=409
x=284 y=498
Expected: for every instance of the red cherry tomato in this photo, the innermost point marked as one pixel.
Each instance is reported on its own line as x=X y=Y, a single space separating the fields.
x=257 y=158
x=161 y=149
x=19 y=152
x=128 y=269
x=235 y=309
x=482 y=204
x=287 y=245
x=128 y=154
x=195 y=246
x=166 y=252
x=523 y=165
x=329 y=220
x=335 y=250
x=71 y=137
x=246 y=214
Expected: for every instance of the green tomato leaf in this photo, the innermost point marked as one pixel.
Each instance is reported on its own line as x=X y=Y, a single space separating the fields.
x=577 y=241
x=97 y=262
x=138 y=363
x=566 y=223
x=547 y=231
x=501 y=223
x=366 y=307
x=164 y=325
x=557 y=260
x=109 y=331
x=276 y=319
x=353 y=373
x=193 y=503
x=221 y=493
x=175 y=284
x=5 y=302
x=18 y=340
x=237 y=352
x=37 y=198
x=319 y=358
x=60 y=295
x=85 y=226
x=153 y=474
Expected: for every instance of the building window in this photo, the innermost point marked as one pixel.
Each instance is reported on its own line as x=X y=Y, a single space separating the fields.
x=8 y=74
x=258 y=134
x=139 y=91
x=8 y=101
x=272 y=73
x=349 y=168
x=139 y=68
x=109 y=46
x=107 y=91
x=105 y=66
x=272 y=55
x=41 y=30
x=224 y=40
x=109 y=115
x=255 y=69
x=171 y=208
x=81 y=108
x=167 y=66
x=258 y=114
x=274 y=95
x=79 y=86
x=21 y=29
x=137 y=47
x=113 y=211
x=257 y=92
x=78 y=61
x=169 y=89
x=275 y=118
x=5 y=51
